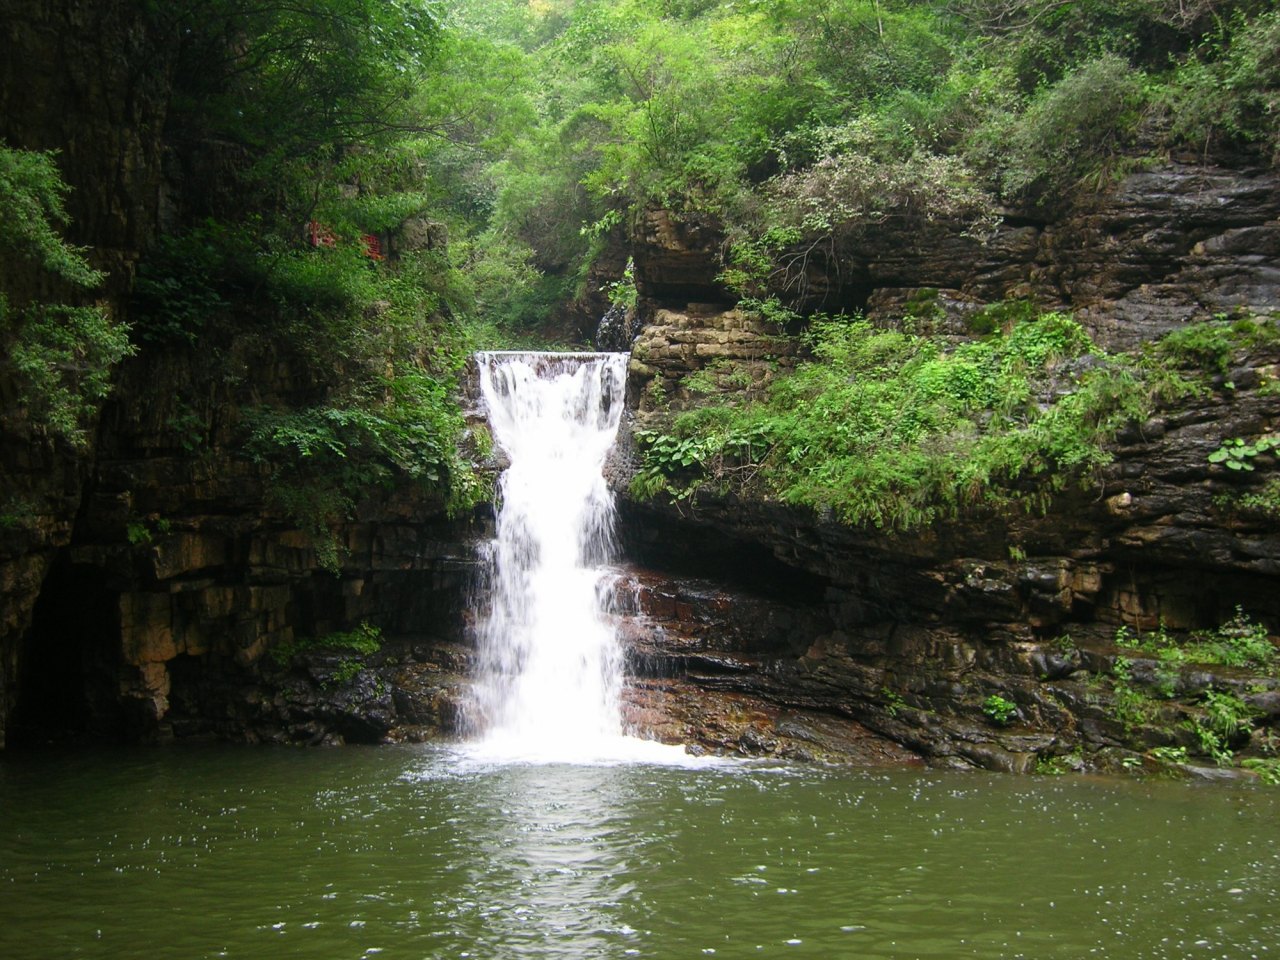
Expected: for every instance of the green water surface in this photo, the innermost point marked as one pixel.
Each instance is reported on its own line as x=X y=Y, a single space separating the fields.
x=414 y=852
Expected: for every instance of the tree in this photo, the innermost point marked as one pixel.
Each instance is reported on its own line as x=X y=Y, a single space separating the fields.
x=59 y=351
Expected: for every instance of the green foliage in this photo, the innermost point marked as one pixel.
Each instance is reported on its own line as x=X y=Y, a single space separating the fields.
x=59 y=354
x=1065 y=645
x=63 y=357
x=1170 y=656
x=346 y=671
x=1238 y=454
x=287 y=80
x=1170 y=755
x=140 y=533
x=1130 y=707
x=823 y=119
x=1049 y=766
x=324 y=459
x=1267 y=769
x=365 y=639
x=1169 y=671
x=1238 y=642
x=999 y=710
x=1228 y=90
x=671 y=464
x=841 y=197
x=17 y=513
x=1221 y=721
x=893 y=701
x=1226 y=714
x=622 y=292
x=895 y=430
x=32 y=206
x=184 y=281
x=1122 y=669
x=1224 y=717
x=1211 y=346
x=1264 y=501
x=1072 y=130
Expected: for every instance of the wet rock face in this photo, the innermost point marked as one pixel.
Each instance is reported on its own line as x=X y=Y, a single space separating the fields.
x=699 y=657
x=183 y=577
x=617 y=329
x=962 y=676
x=1175 y=243
x=911 y=635
x=411 y=690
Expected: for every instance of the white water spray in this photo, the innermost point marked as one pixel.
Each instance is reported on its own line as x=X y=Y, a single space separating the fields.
x=550 y=665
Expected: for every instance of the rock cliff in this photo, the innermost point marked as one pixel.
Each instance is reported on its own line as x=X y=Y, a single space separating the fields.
x=144 y=576
x=150 y=587
x=911 y=633
x=88 y=80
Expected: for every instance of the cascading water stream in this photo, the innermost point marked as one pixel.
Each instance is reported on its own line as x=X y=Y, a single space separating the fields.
x=550 y=665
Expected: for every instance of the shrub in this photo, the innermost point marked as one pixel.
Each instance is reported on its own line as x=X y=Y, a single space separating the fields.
x=364 y=639
x=894 y=430
x=999 y=710
x=1229 y=91
x=845 y=194
x=32 y=195
x=1238 y=642
x=323 y=460
x=1211 y=346
x=182 y=283
x=1074 y=130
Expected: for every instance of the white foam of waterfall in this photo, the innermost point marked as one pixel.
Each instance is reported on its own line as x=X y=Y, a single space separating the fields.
x=550 y=664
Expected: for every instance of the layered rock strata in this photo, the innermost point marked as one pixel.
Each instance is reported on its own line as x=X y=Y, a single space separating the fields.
x=912 y=633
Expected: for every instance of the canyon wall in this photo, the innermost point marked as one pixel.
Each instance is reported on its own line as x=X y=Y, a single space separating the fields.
x=152 y=587
x=145 y=574
x=910 y=633
x=88 y=80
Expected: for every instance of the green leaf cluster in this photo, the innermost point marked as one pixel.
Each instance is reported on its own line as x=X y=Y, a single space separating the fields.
x=999 y=710
x=893 y=430
x=32 y=202
x=1237 y=453
x=365 y=639
x=1223 y=718
x=286 y=80
x=324 y=460
x=59 y=350
x=1212 y=346
x=1237 y=642
x=1267 y=769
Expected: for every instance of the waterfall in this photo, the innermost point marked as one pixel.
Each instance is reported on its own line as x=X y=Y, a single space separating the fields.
x=550 y=666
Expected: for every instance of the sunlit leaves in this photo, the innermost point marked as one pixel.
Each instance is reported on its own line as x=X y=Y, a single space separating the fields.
x=31 y=208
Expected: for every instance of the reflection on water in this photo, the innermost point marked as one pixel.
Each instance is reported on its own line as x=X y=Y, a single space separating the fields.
x=550 y=875
x=405 y=852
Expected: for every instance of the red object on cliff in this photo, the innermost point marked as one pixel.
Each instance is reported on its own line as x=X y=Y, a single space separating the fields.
x=372 y=247
x=319 y=235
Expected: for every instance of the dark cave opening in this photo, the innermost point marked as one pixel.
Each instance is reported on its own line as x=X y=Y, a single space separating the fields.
x=68 y=665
